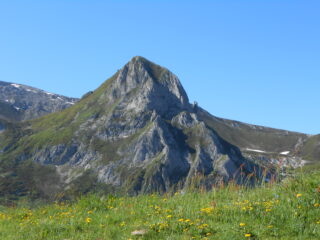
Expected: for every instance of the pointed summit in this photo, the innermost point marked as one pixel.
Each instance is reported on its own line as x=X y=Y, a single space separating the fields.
x=146 y=86
x=154 y=70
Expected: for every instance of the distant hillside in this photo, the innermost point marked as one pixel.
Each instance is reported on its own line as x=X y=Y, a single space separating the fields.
x=19 y=102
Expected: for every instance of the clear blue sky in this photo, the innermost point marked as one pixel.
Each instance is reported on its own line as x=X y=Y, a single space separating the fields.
x=252 y=61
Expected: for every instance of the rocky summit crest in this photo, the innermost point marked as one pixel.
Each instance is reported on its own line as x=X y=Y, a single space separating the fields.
x=145 y=86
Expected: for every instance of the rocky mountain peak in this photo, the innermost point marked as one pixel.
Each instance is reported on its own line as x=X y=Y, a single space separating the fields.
x=145 y=86
x=138 y=133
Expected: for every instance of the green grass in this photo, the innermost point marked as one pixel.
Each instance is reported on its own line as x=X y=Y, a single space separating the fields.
x=289 y=210
x=311 y=150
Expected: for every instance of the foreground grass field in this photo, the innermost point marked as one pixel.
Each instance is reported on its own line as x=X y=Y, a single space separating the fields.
x=289 y=210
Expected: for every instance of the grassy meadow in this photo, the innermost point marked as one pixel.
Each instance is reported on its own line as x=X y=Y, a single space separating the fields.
x=286 y=210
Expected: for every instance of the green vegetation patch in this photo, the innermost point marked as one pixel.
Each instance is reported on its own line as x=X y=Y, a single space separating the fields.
x=290 y=210
x=311 y=149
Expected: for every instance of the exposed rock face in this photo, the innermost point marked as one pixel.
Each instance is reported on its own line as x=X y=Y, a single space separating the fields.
x=138 y=133
x=143 y=86
x=19 y=102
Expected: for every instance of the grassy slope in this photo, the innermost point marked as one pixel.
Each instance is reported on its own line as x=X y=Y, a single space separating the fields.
x=251 y=136
x=311 y=150
x=55 y=128
x=289 y=210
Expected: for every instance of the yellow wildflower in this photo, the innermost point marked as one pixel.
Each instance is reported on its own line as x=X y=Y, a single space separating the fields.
x=207 y=210
x=88 y=220
x=298 y=195
x=202 y=226
x=247 y=235
x=242 y=224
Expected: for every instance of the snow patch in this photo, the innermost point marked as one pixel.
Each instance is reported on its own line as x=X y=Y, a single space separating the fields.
x=255 y=150
x=30 y=90
x=285 y=153
x=15 y=85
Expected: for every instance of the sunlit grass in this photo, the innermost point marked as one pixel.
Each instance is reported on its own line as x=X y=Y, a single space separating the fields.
x=289 y=210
